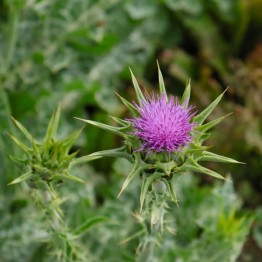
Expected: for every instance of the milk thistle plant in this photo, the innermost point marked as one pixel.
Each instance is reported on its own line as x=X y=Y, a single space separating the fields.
x=163 y=139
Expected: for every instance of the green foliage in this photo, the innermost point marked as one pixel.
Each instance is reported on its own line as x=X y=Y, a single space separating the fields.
x=78 y=53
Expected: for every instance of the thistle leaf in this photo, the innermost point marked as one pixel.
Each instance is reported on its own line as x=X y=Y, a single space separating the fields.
x=186 y=95
x=68 y=176
x=21 y=178
x=114 y=130
x=204 y=170
x=129 y=178
x=116 y=152
x=120 y=121
x=17 y=160
x=128 y=105
x=69 y=140
x=209 y=156
x=139 y=94
x=161 y=81
x=204 y=137
x=136 y=235
x=136 y=170
x=20 y=144
x=83 y=159
x=194 y=166
x=209 y=125
x=69 y=158
x=200 y=118
x=87 y=225
x=38 y=168
x=36 y=148
x=171 y=188
x=23 y=129
x=53 y=125
x=192 y=148
x=147 y=181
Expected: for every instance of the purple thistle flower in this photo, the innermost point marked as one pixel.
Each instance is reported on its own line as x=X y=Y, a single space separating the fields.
x=163 y=125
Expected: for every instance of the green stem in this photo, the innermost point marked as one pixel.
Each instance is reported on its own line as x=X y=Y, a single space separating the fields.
x=155 y=208
x=63 y=246
x=146 y=254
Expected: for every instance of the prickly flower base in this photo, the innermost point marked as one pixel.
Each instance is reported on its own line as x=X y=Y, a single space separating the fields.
x=162 y=140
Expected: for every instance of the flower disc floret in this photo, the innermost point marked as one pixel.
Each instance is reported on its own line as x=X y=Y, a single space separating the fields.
x=163 y=125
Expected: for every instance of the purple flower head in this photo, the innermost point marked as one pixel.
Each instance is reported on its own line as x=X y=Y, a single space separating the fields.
x=163 y=125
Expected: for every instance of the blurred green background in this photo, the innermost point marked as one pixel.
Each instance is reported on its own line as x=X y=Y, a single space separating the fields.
x=78 y=53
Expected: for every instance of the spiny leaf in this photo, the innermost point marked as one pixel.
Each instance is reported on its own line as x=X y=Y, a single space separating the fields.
x=161 y=81
x=128 y=105
x=21 y=178
x=17 y=160
x=83 y=159
x=200 y=118
x=38 y=168
x=194 y=148
x=69 y=158
x=53 y=124
x=171 y=188
x=137 y=234
x=68 y=176
x=192 y=165
x=136 y=170
x=115 y=130
x=204 y=170
x=116 y=152
x=69 y=140
x=36 y=147
x=120 y=121
x=20 y=144
x=209 y=156
x=209 y=125
x=90 y=223
x=23 y=129
x=138 y=91
x=147 y=181
x=129 y=178
x=204 y=137
x=186 y=95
